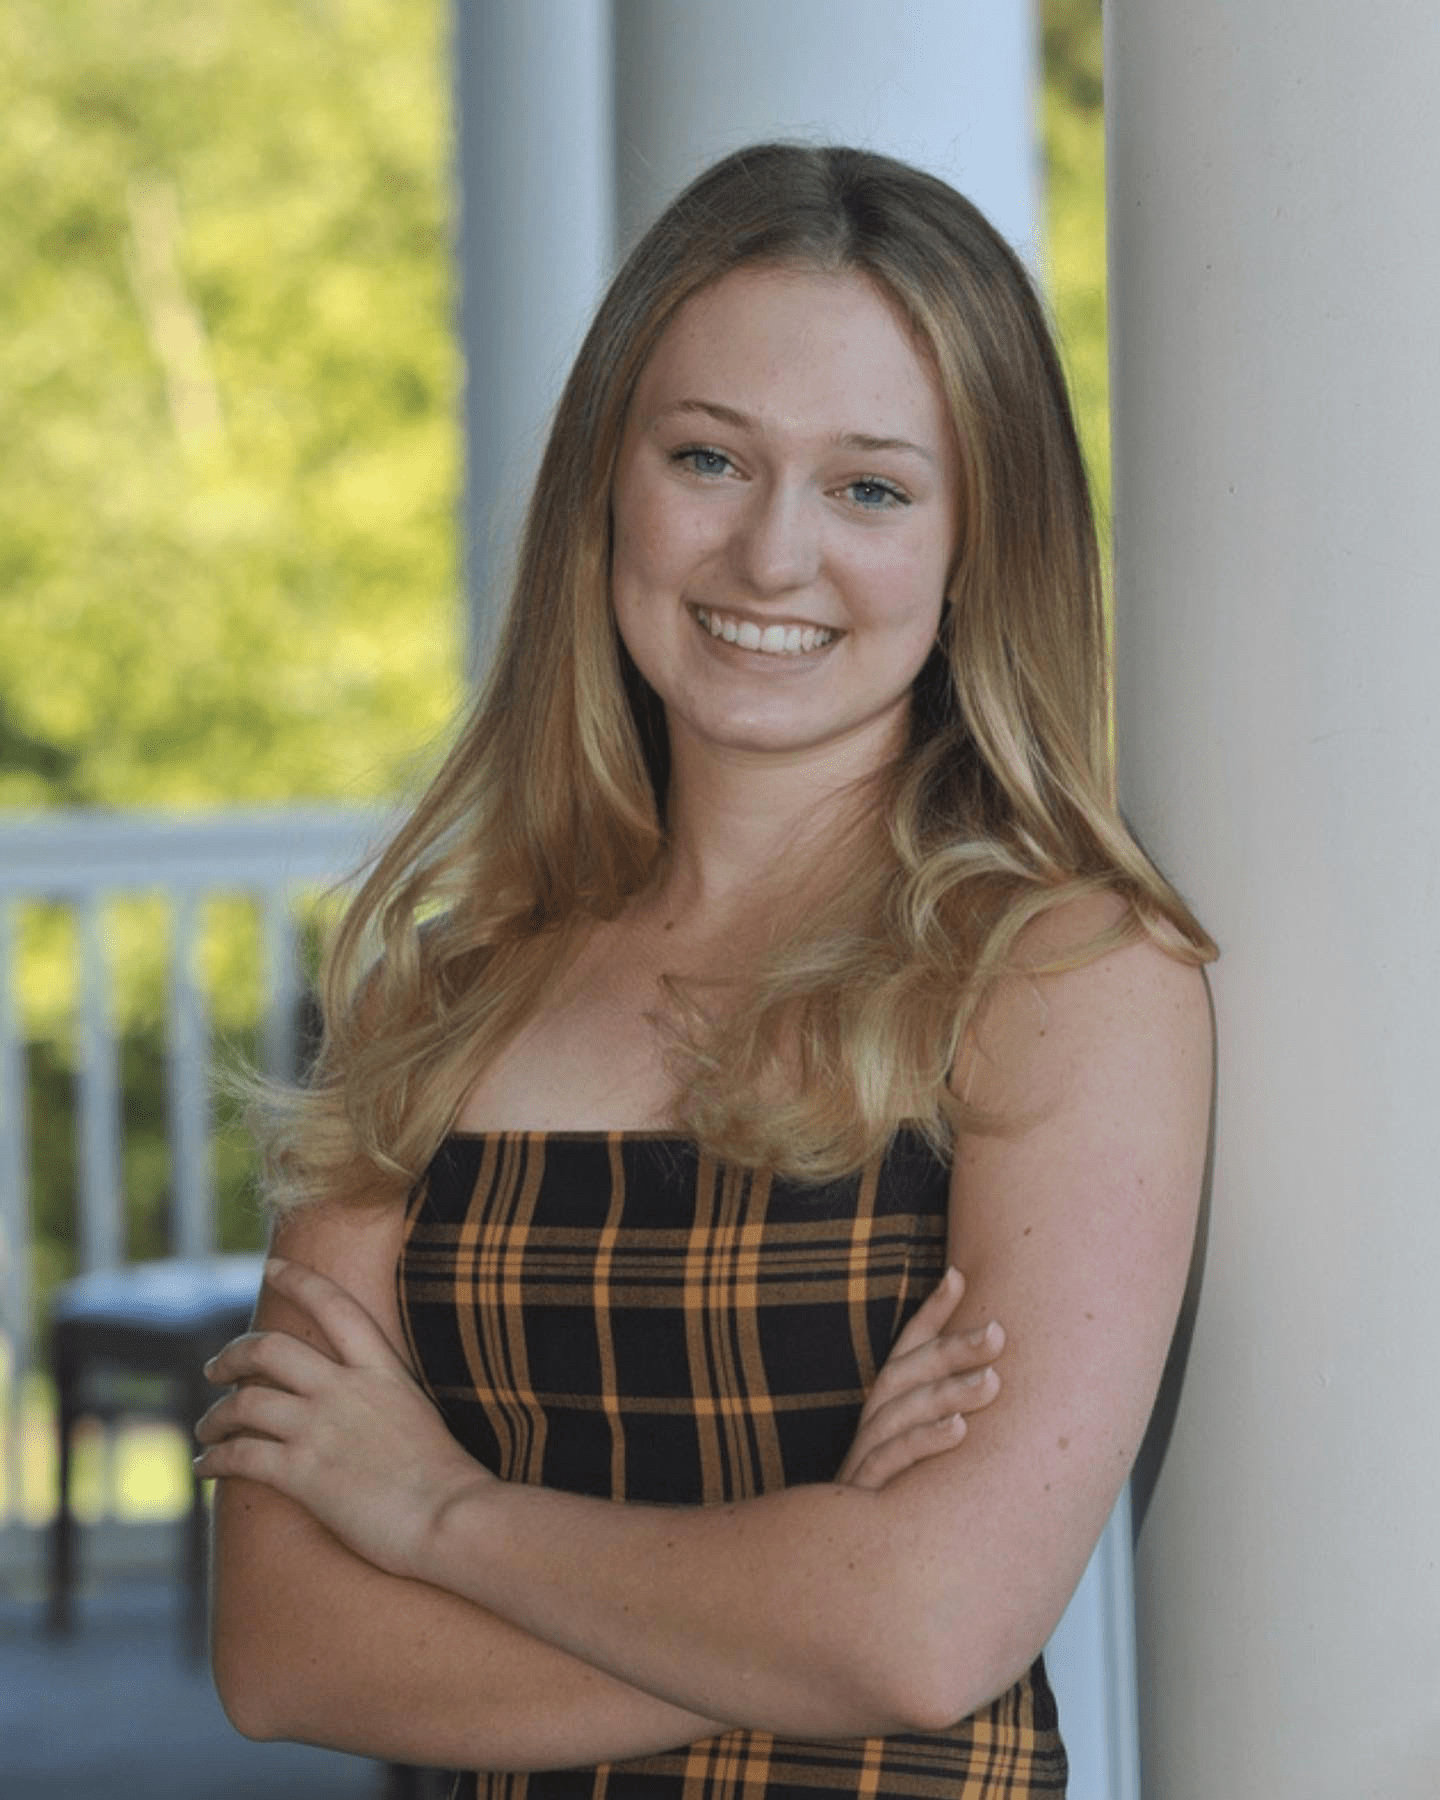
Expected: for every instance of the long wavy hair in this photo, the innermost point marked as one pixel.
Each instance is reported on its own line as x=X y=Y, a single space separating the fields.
x=548 y=813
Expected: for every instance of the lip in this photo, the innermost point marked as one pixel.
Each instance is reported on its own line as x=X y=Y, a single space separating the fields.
x=778 y=639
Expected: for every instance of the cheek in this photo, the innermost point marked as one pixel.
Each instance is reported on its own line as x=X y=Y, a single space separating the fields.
x=623 y=538
x=640 y=557
x=637 y=589
x=905 y=591
x=662 y=535
x=627 y=602
x=632 y=585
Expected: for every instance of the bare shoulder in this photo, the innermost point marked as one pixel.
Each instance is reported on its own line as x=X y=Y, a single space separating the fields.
x=356 y=1246
x=1073 y=1222
x=1065 y=1028
x=1075 y=1217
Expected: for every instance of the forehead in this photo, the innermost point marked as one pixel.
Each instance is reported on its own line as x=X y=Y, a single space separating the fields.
x=802 y=348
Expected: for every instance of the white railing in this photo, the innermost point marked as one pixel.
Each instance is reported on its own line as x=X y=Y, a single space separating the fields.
x=85 y=861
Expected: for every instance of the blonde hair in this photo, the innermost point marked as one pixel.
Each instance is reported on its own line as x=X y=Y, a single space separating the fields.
x=548 y=812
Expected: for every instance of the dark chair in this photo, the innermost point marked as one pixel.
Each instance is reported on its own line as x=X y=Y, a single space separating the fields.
x=134 y=1339
x=402 y=1782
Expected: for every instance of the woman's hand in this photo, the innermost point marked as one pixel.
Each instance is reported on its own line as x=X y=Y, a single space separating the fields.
x=350 y=1436
x=929 y=1383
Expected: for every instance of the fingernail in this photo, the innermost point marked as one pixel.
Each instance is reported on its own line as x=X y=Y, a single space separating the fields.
x=274 y=1265
x=974 y=1378
x=977 y=1337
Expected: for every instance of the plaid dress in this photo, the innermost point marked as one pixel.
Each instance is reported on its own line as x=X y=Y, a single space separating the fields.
x=616 y=1314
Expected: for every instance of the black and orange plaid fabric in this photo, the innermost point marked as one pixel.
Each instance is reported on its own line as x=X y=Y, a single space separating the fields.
x=620 y=1315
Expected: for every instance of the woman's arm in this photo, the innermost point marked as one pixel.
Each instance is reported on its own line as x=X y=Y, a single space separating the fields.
x=314 y=1643
x=828 y=1610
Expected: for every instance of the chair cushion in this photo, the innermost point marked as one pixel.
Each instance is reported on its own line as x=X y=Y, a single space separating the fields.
x=180 y=1294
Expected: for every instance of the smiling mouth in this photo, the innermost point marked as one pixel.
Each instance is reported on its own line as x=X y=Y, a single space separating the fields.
x=769 y=640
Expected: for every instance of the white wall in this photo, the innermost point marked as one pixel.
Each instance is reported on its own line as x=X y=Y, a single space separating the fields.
x=1275 y=261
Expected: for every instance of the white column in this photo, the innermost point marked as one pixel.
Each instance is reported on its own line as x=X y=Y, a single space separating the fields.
x=100 y=1199
x=1275 y=262
x=188 y=1083
x=15 y=1223
x=533 y=108
x=947 y=84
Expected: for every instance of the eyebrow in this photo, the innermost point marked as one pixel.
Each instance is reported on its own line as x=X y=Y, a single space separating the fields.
x=845 y=440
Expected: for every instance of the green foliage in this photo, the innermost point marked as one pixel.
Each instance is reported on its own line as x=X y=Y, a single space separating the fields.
x=228 y=469
x=228 y=454
x=1074 y=127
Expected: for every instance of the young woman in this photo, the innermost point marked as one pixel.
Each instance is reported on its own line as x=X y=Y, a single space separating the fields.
x=768 y=946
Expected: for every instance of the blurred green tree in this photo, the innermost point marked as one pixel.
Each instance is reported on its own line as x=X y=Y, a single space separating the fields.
x=228 y=464
x=1073 y=123
x=228 y=441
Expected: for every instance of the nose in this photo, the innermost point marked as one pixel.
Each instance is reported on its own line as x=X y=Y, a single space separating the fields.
x=775 y=547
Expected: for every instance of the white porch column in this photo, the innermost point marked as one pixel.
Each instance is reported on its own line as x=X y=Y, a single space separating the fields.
x=946 y=84
x=1275 y=259
x=532 y=87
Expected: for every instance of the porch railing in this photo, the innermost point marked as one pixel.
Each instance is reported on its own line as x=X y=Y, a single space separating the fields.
x=84 y=862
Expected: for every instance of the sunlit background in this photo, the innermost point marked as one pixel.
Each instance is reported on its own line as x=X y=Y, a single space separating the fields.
x=228 y=472
x=229 y=477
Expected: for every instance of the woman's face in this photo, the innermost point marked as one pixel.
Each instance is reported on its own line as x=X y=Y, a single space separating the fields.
x=784 y=516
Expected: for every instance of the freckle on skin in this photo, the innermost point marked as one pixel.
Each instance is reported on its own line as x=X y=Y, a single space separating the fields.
x=1089 y=1315
x=1064 y=1443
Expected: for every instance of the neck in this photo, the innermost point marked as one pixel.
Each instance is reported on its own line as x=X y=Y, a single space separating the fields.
x=747 y=828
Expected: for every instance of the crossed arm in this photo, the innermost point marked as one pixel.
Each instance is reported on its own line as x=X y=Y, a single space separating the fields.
x=471 y=1622
x=313 y=1641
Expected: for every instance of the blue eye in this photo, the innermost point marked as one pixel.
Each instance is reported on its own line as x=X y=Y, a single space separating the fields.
x=875 y=496
x=703 y=460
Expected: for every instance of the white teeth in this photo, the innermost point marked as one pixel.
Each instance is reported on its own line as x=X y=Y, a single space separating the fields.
x=769 y=640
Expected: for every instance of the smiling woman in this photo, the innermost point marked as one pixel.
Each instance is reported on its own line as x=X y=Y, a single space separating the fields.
x=768 y=951
x=779 y=584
